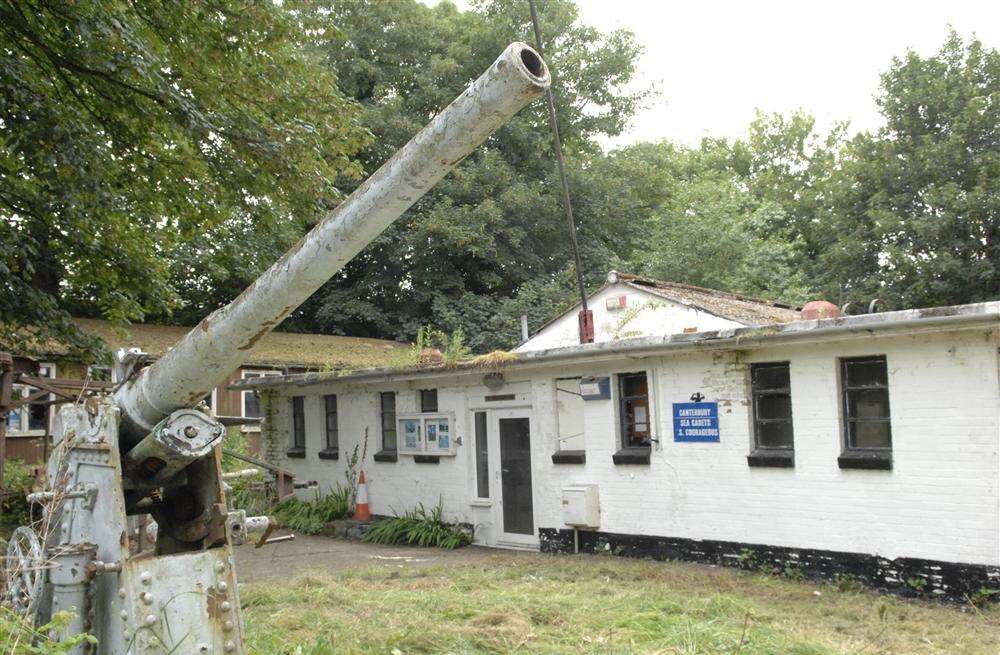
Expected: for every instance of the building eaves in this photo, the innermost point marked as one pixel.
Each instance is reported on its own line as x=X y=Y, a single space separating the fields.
x=865 y=325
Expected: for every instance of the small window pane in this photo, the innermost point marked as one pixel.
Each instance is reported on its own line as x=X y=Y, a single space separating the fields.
x=867 y=373
x=770 y=376
x=777 y=434
x=772 y=406
x=482 y=457
x=870 y=434
x=770 y=384
x=298 y=421
x=868 y=403
x=38 y=415
x=330 y=405
x=428 y=400
x=387 y=401
x=634 y=384
x=251 y=404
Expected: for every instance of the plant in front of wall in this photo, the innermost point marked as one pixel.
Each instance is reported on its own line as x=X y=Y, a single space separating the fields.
x=917 y=583
x=312 y=516
x=983 y=596
x=847 y=583
x=351 y=472
x=418 y=527
x=748 y=559
x=793 y=572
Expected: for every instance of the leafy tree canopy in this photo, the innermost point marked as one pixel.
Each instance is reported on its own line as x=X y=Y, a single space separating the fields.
x=131 y=132
x=477 y=250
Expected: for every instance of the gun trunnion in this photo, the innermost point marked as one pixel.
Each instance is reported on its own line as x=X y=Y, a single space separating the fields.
x=148 y=450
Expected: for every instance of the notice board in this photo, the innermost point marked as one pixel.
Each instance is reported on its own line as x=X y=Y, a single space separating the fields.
x=696 y=422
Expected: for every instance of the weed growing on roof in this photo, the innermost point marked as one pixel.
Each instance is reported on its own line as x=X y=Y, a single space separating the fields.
x=418 y=527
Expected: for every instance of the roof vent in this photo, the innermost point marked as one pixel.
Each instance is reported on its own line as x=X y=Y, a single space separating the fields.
x=818 y=309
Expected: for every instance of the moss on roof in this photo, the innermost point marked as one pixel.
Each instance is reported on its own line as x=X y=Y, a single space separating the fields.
x=313 y=351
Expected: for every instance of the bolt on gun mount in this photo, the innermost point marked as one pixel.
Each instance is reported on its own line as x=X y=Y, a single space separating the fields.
x=144 y=449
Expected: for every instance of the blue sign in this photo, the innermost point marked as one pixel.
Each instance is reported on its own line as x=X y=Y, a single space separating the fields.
x=698 y=422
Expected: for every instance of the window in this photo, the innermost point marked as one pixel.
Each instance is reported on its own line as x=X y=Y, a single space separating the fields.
x=298 y=423
x=387 y=403
x=31 y=418
x=570 y=448
x=865 y=384
x=772 y=405
x=428 y=400
x=482 y=457
x=100 y=373
x=251 y=398
x=330 y=407
x=633 y=406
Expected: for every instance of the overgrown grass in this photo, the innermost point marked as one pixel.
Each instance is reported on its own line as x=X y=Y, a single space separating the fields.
x=19 y=637
x=593 y=604
x=418 y=527
x=311 y=516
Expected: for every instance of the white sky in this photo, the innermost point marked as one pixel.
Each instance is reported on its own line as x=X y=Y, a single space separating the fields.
x=715 y=61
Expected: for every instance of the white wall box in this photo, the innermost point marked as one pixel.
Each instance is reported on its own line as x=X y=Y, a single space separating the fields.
x=581 y=506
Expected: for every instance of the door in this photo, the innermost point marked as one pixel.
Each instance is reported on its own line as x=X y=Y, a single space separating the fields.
x=513 y=490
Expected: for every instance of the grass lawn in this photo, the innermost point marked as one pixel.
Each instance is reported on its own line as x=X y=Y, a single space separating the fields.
x=593 y=604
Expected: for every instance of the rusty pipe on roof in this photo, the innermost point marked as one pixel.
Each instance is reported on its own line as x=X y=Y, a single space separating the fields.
x=208 y=354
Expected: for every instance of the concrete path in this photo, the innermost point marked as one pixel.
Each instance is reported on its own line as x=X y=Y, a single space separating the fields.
x=287 y=559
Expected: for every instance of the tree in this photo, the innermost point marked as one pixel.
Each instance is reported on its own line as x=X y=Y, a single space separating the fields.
x=132 y=133
x=916 y=219
x=493 y=230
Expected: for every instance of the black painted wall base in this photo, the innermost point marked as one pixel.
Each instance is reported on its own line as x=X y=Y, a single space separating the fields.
x=942 y=580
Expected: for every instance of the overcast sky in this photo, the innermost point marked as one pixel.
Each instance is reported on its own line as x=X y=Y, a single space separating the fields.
x=715 y=61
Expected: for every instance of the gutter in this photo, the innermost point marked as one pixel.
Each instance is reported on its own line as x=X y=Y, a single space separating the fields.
x=933 y=319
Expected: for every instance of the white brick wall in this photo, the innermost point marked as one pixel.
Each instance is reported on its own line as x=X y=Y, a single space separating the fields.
x=939 y=501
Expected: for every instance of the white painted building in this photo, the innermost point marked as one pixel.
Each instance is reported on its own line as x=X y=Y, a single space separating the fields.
x=863 y=445
x=629 y=306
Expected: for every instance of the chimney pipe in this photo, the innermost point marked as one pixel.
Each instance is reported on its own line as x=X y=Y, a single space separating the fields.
x=524 y=327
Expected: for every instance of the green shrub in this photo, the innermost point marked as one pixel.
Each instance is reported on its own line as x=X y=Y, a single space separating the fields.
x=417 y=527
x=311 y=516
x=18 y=483
x=253 y=494
x=20 y=638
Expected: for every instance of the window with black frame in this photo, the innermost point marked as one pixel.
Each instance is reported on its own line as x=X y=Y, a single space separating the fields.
x=387 y=400
x=633 y=406
x=332 y=427
x=429 y=400
x=770 y=386
x=298 y=425
x=865 y=382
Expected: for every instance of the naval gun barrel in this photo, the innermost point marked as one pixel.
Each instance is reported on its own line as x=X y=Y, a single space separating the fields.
x=211 y=351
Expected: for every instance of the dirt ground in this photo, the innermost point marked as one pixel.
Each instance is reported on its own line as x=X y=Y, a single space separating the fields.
x=285 y=560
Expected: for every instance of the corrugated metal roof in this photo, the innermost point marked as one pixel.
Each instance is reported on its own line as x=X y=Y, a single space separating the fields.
x=743 y=309
x=314 y=351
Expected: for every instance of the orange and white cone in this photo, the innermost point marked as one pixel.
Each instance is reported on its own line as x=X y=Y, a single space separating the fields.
x=361 y=511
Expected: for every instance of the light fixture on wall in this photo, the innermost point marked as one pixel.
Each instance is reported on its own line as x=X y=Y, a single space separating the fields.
x=697 y=397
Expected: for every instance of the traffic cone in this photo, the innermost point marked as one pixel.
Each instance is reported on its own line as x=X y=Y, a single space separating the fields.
x=361 y=511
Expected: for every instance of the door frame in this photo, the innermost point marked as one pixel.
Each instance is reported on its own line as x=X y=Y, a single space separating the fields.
x=509 y=539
